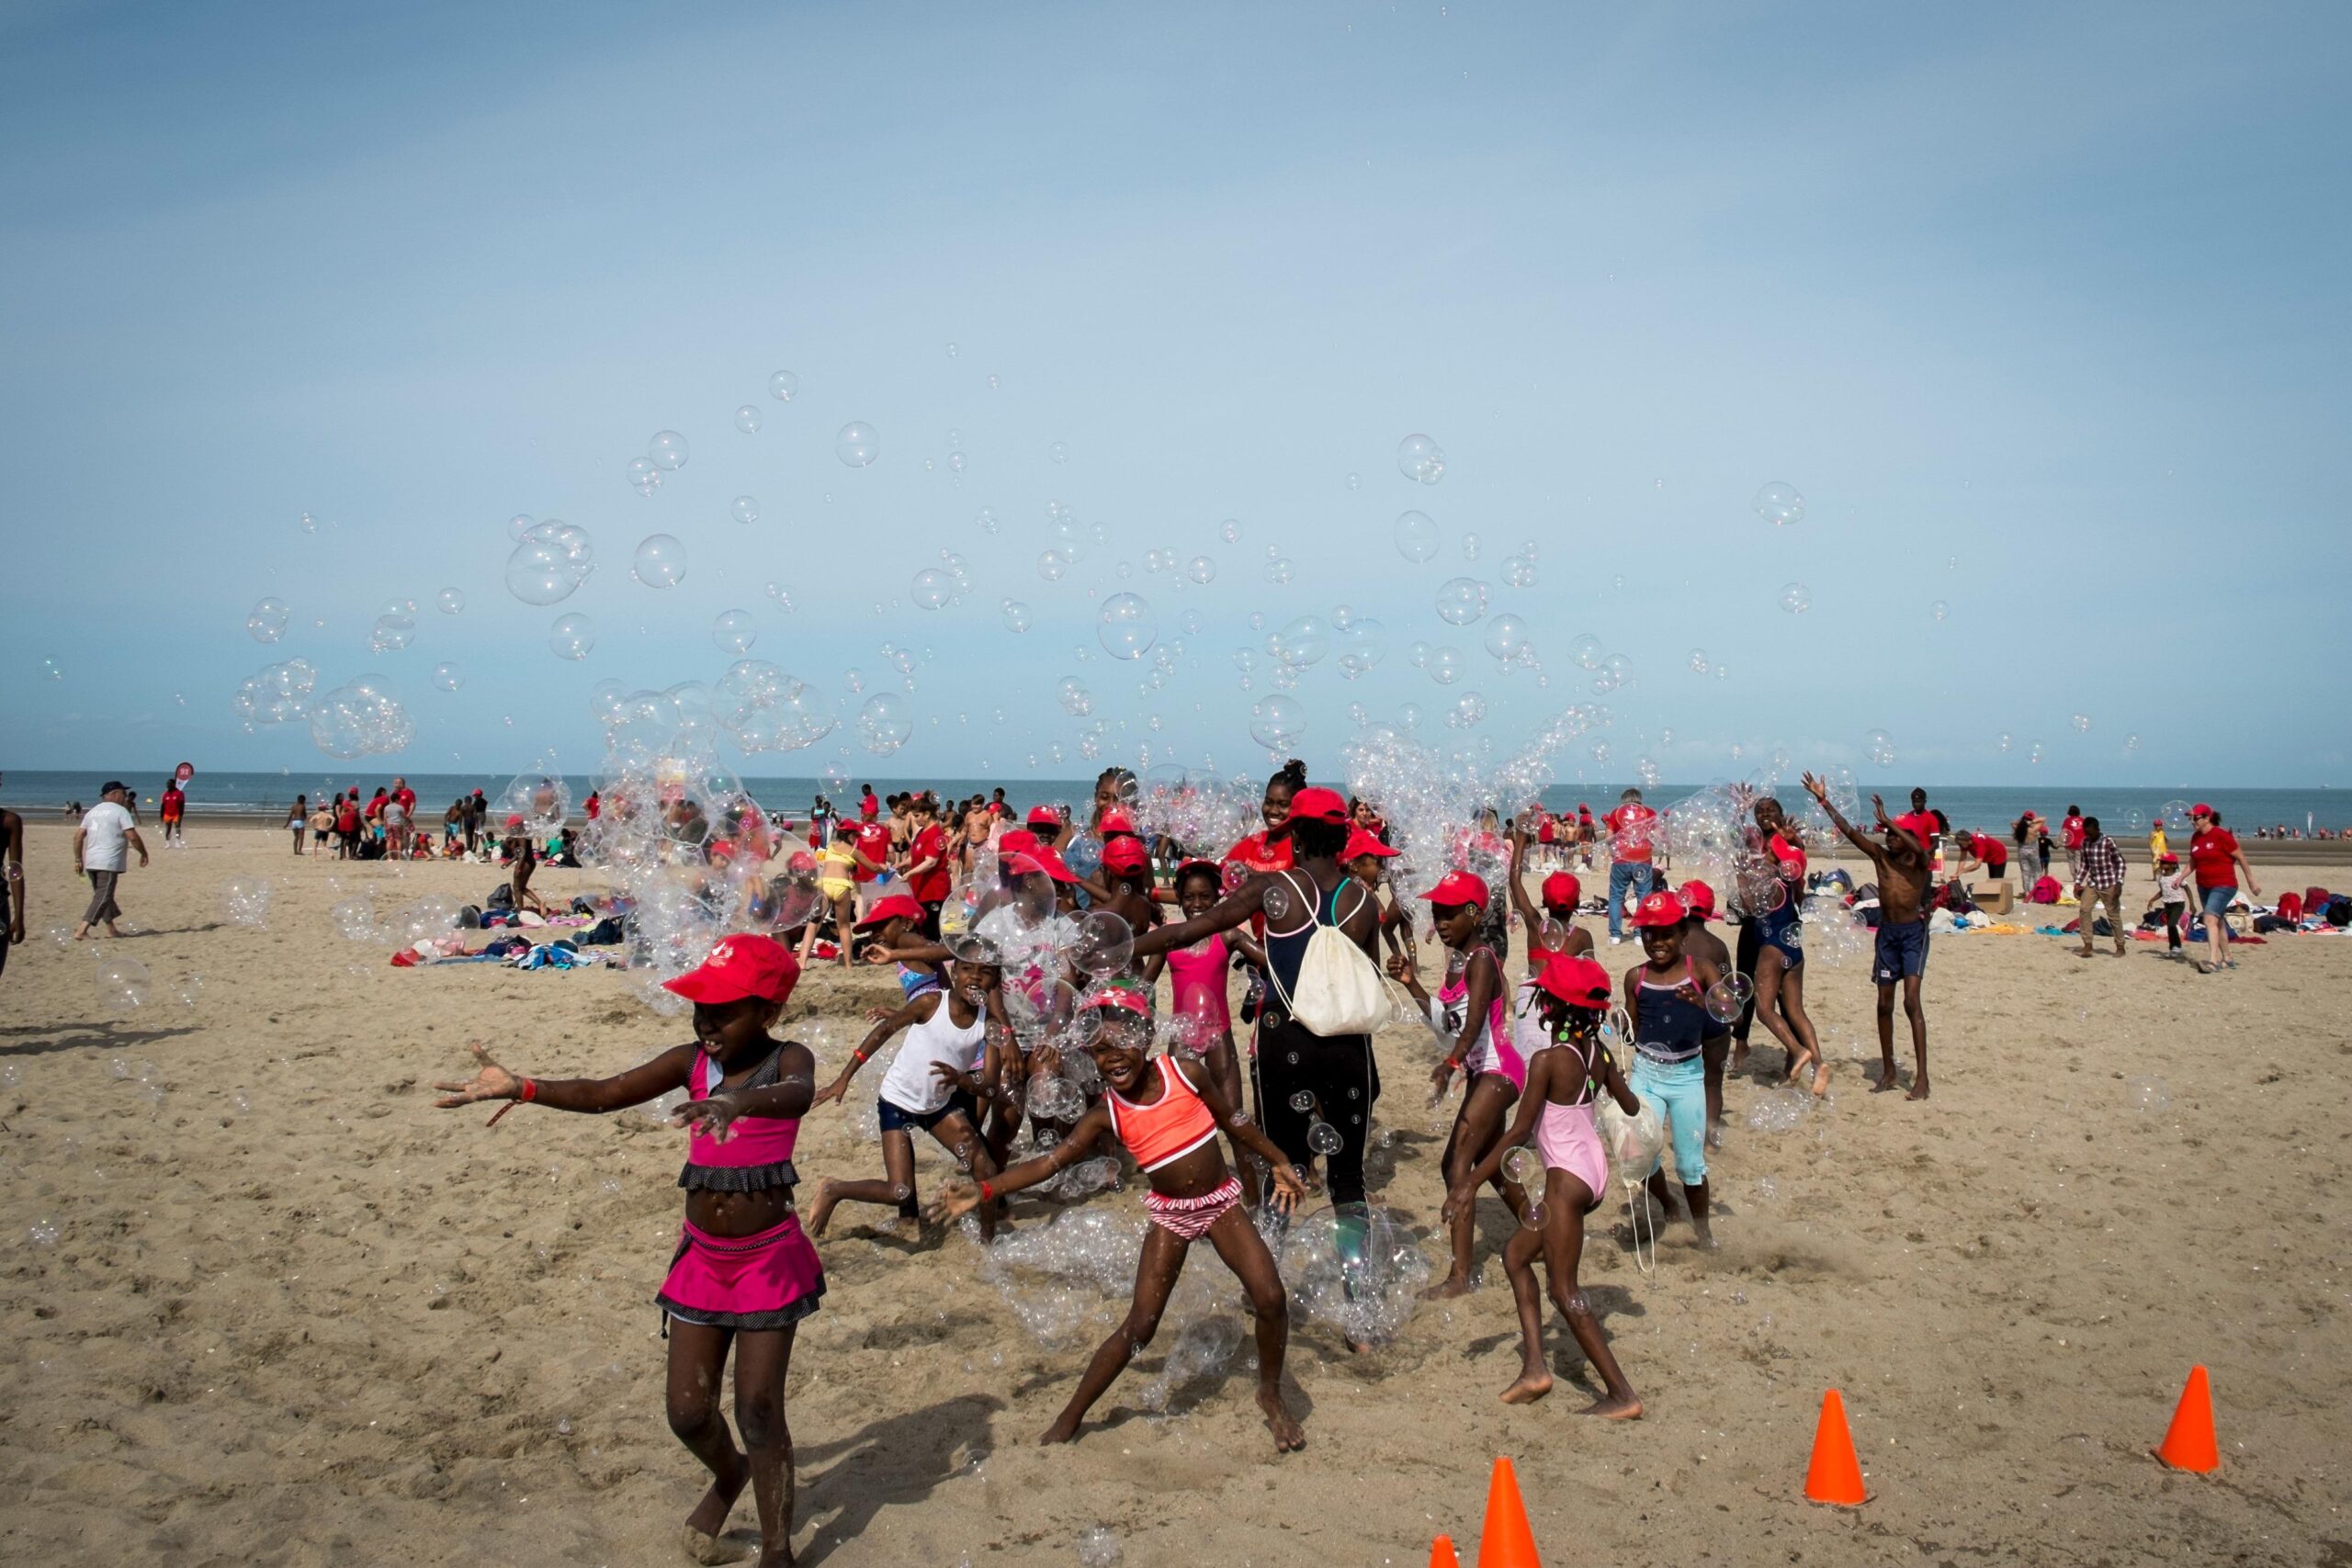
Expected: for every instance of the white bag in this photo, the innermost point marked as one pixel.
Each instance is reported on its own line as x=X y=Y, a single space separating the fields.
x=1340 y=991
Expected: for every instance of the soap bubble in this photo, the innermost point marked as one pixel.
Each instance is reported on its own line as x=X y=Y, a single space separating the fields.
x=747 y=419
x=450 y=601
x=1471 y=546
x=542 y=798
x=519 y=524
x=644 y=475
x=1052 y=565
x=2148 y=1092
x=1016 y=616
x=766 y=709
x=266 y=621
x=391 y=634
x=1420 y=459
x=1126 y=626
x=361 y=717
x=1586 y=650
x=668 y=449
x=1728 y=996
x=1105 y=944
x=1461 y=601
x=1202 y=570
x=1075 y=699
x=1357 y=1271
x=1097 y=1547
x=545 y=568
x=745 y=509
x=883 y=724
x=1778 y=504
x=1324 y=1138
x=1362 y=645
x=123 y=984
x=1303 y=642
x=659 y=561
x=355 y=918
x=1445 y=665
x=931 y=589
x=1229 y=531
x=1632 y=1142
x=1796 y=598
x=1879 y=746
x=447 y=676
x=856 y=445
x=1303 y=1101
x=1507 y=639
x=246 y=900
x=784 y=386
x=1275 y=721
x=734 y=631
x=1939 y=610
x=2082 y=722
x=571 y=636
x=1058 y=451
x=1522 y=1165
x=1698 y=665
x=1416 y=536
x=1518 y=571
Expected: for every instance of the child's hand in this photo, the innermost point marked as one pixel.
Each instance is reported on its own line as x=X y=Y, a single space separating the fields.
x=954 y=1077
x=955 y=1201
x=1457 y=1203
x=1289 y=1191
x=490 y=1082
x=1441 y=1079
x=833 y=1090
x=714 y=1114
x=876 y=1015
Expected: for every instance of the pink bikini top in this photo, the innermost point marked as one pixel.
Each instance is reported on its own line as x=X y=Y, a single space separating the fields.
x=759 y=1149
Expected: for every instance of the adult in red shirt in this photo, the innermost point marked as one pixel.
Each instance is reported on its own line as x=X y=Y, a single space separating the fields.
x=868 y=805
x=873 y=843
x=406 y=797
x=1629 y=857
x=346 y=828
x=927 y=865
x=2070 y=834
x=593 y=804
x=2216 y=861
x=1982 y=849
x=1264 y=853
x=174 y=804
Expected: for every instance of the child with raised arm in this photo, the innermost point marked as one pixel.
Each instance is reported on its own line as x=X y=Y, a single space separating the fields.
x=949 y=1063
x=1169 y=1123
x=744 y=1275
x=1572 y=995
x=1901 y=857
x=1553 y=927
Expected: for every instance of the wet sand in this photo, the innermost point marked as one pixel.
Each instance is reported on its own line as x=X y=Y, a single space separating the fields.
x=292 y=1315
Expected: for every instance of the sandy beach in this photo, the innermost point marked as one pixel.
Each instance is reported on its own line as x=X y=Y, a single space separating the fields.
x=271 y=1307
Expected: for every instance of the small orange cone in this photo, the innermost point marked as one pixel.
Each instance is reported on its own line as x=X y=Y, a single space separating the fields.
x=1835 y=1475
x=2189 y=1443
x=1442 y=1553
x=1506 y=1540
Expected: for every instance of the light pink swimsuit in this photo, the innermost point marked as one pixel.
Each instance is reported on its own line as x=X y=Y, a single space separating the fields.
x=1568 y=1141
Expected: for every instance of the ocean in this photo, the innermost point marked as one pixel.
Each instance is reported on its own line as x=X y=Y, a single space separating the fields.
x=266 y=796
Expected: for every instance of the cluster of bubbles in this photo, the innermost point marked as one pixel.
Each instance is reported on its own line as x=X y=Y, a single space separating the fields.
x=362 y=717
x=246 y=900
x=550 y=561
x=275 y=693
x=664 y=454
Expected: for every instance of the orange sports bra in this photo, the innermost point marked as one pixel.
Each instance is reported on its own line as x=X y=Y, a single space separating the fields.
x=1170 y=1127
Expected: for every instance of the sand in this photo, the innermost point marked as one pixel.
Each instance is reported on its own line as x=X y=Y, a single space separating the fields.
x=293 y=1315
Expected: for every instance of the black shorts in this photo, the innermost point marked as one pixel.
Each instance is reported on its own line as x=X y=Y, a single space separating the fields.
x=898 y=1118
x=1901 y=952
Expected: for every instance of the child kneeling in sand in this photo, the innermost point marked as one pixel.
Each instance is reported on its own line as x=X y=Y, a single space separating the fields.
x=1170 y=1122
x=744 y=1274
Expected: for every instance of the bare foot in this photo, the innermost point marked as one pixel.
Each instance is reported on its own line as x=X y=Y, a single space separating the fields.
x=1887 y=1079
x=1715 y=1137
x=1704 y=1239
x=708 y=1545
x=1063 y=1431
x=1918 y=1088
x=1531 y=1386
x=1289 y=1437
x=1820 y=1077
x=1738 y=1063
x=821 y=1210
x=1614 y=1409
x=1446 y=1288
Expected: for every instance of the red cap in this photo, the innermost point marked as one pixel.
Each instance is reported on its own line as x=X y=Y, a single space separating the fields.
x=1579 y=982
x=897 y=907
x=1043 y=817
x=515 y=821
x=1659 y=909
x=1117 y=821
x=1045 y=860
x=1125 y=999
x=1362 y=843
x=740 y=967
x=1458 y=887
x=1562 y=891
x=1124 y=855
x=2167 y=858
x=2200 y=809
x=1315 y=805
x=1016 y=841
x=1697 y=898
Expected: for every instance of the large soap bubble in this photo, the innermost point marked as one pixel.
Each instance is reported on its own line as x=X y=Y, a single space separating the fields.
x=768 y=710
x=659 y=561
x=1416 y=536
x=931 y=589
x=1016 y=616
x=551 y=562
x=266 y=621
x=123 y=984
x=1879 y=747
x=1355 y=1269
x=1105 y=944
x=275 y=693
x=1445 y=665
x=1795 y=598
x=744 y=509
x=1362 y=644
x=1507 y=639
x=450 y=601
x=246 y=900
x=362 y=717
x=1778 y=504
x=1461 y=601
x=1276 y=721
x=572 y=636
x=856 y=445
x=541 y=797
x=1126 y=626
x=747 y=419
x=1302 y=642
x=668 y=449
x=1420 y=459
x=447 y=676
x=734 y=631
x=1201 y=570
x=883 y=724
x=784 y=386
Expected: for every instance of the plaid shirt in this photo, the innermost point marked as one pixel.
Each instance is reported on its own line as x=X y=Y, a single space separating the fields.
x=2102 y=864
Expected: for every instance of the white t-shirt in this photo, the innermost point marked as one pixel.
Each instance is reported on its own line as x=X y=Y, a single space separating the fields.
x=909 y=1084
x=103 y=842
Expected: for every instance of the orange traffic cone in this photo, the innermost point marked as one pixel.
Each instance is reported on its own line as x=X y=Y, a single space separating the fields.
x=2189 y=1443
x=1506 y=1540
x=1442 y=1553
x=1835 y=1475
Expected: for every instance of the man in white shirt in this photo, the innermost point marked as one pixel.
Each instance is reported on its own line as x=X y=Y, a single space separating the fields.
x=101 y=846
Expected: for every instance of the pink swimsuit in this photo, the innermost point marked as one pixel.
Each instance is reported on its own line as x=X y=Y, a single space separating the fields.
x=1568 y=1141
x=769 y=1281
x=1493 y=1050
x=1197 y=975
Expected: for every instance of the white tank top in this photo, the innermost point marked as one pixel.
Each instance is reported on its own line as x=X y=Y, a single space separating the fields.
x=909 y=1084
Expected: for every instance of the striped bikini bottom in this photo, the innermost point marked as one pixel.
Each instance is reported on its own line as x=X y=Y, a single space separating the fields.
x=1190 y=1218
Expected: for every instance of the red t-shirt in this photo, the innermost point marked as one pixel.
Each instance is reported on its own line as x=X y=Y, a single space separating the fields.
x=1994 y=853
x=2070 y=832
x=347 y=820
x=1792 y=858
x=593 y=806
x=1255 y=855
x=407 y=798
x=173 y=801
x=2212 y=855
x=1629 y=832
x=873 y=843
x=930 y=886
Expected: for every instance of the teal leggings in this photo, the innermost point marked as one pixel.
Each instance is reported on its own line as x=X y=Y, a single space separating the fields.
x=1678 y=1089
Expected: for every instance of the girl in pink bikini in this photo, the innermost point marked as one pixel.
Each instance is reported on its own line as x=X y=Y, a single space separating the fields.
x=1468 y=1010
x=1571 y=997
x=1170 y=1122
x=744 y=1274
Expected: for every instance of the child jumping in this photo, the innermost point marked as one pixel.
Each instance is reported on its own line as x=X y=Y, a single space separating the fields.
x=744 y=1275
x=1170 y=1123
x=1572 y=994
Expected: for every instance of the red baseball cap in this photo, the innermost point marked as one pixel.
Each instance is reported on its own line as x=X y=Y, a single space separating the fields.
x=1562 y=891
x=2169 y=858
x=1579 y=982
x=897 y=906
x=1016 y=841
x=740 y=967
x=1124 y=855
x=1043 y=817
x=1458 y=887
x=1315 y=804
x=1659 y=909
x=1697 y=898
x=2200 y=809
x=1125 y=999
x=1362 y=843
x=1117 y=821
x=515 y=821
x=1031 y=861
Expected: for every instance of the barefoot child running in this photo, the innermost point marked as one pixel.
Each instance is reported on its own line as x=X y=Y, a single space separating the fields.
x=1168 y=1121
x=1901 y=857
x=949 y=1063
x=744 y=1275
x=1572 y=994
x=1664 y=999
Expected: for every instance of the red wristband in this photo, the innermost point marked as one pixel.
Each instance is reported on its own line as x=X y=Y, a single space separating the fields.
x=987 y=1193
x=531 y=1091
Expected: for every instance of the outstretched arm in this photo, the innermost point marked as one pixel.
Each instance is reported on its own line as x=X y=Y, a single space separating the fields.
x=1820 y=792
x=592 y=1095
x=913 y=1011
x=1520 y=902
x=961 y=1198
x=1288 y=1192
x=1222 y=916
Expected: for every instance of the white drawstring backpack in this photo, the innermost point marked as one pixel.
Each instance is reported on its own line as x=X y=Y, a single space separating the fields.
x=1340 y=991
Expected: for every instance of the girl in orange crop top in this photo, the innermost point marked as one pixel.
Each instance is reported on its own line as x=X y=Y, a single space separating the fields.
x=1169 y=1118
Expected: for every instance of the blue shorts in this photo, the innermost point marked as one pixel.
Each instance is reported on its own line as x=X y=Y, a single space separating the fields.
x=898 y=1118
x=2218 y=899
x=1901 y=952
x=1678 y=1089
x=1782 y=932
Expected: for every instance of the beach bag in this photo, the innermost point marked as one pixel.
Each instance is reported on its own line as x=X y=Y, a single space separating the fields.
x=604 y=933
x=501 y=897
x=2291 y=908
x=2046 y=891
x=2315 y=899
x=2338 y=912
x=1339 y=991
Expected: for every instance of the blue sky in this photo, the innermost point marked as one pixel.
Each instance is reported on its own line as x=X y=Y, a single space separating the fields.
x=2054 y=293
